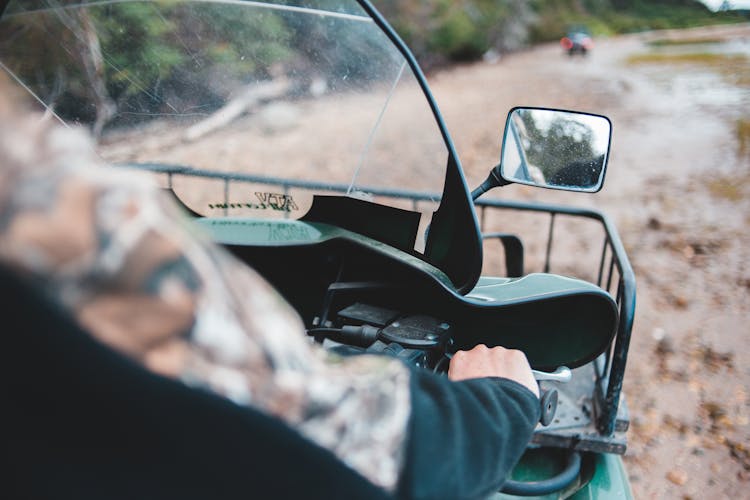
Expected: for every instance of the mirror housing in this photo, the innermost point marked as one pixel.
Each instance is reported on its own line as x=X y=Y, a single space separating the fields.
x=555 y=149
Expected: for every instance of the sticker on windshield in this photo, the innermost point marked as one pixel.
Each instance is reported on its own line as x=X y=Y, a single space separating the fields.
x=266 y=201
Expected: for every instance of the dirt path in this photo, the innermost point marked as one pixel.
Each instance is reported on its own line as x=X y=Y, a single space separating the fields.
x=678 y=187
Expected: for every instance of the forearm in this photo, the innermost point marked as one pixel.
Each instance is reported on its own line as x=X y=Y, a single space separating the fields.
x=464 y=437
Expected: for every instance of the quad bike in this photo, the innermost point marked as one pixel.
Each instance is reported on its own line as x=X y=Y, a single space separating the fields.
x=577 y=41
x=303 y=137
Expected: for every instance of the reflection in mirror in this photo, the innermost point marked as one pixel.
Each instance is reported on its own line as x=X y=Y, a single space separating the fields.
x=555 y=149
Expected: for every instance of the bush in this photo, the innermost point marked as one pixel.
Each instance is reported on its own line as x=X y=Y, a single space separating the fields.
x=441 y=30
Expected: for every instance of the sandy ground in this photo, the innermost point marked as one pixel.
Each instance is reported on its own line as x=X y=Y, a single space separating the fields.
x=678 y=188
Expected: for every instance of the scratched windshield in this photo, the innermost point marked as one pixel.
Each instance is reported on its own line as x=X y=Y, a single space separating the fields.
x=261 y=104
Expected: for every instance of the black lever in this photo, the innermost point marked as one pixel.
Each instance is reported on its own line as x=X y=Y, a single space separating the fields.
x=548 y=401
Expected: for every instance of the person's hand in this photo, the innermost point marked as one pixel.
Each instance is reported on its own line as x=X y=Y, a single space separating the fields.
x=483 y=361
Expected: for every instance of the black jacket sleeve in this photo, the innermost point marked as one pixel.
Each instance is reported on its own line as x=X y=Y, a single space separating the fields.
x=464 y=437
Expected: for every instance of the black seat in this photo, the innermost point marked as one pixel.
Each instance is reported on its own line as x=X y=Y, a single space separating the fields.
x=78 y=420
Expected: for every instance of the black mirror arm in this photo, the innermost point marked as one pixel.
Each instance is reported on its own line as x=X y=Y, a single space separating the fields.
x=492 y=181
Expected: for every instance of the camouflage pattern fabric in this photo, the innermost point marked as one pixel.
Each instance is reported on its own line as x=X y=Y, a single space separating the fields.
x=123 y=260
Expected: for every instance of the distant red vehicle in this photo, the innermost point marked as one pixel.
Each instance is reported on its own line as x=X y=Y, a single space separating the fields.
x=577 y=41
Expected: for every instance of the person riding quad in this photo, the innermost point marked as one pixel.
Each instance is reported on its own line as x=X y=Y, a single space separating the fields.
x=126 y=265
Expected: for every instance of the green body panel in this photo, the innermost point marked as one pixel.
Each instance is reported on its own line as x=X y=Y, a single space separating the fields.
x=603 y=476
x=610 y=480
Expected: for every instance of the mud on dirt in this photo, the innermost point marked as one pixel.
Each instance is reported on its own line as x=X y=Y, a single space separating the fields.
x=678 y=188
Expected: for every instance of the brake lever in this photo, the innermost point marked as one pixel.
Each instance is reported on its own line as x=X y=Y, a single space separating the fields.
x=547 y=397
x=562 y=375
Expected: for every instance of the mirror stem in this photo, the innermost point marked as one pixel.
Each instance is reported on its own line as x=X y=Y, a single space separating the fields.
x=492 y=181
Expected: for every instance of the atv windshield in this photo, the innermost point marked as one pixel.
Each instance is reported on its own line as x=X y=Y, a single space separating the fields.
x=264 y=104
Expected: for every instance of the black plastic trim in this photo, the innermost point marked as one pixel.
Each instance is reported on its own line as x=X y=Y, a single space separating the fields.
x=463 y=260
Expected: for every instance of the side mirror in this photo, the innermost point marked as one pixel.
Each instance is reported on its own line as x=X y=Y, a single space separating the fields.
x=555 y=149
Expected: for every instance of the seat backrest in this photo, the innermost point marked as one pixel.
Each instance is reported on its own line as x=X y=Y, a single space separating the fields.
x=78 y=420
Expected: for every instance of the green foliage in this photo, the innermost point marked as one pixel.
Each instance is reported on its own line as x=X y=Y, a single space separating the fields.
x=246 y=41
x=85 y=60
x=440 y=30
x=731 y=188
x=665 y=42
x=703 y=58
x=152 y=44
x=606 y=17
x=136 y=44
x=82 y=61
x=457 y=35
x=735 y=68
x=742 y=132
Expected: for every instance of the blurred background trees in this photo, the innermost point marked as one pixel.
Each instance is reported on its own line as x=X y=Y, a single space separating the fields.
x=139 y=58
x=133 y=57
x=440 y=31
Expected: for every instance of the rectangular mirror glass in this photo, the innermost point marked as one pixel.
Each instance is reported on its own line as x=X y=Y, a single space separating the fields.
x=555 y=149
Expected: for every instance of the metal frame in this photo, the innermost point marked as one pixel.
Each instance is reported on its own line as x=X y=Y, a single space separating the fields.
x=609 y=368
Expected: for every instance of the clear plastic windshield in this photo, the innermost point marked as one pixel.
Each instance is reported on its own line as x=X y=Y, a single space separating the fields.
x=285 y=99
